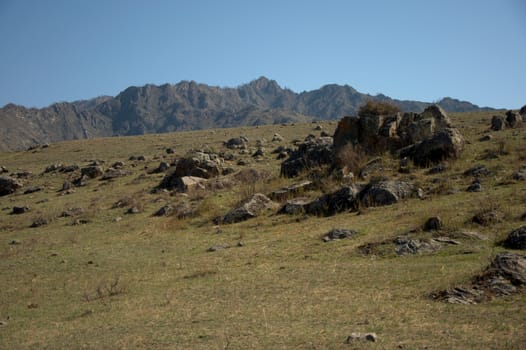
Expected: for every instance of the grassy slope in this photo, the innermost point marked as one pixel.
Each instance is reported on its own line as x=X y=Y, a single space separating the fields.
x=284 y=288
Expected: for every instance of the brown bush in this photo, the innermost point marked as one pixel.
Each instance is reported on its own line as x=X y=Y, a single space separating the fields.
x=351 y=158
x=372 y=107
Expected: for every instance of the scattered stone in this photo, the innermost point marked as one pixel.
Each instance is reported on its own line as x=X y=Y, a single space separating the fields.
x=69 y=168
x=433 y=224
x=277 y=138
x=8 y=185
x=217 y=247
x=486 y=138
x=66 y=186
x=318 y=128
x=3 y=170
x=478 y=171
x=294 y=207
x=133 y=210
x=338 y=233
x=15 y=242
x=520 y=175
x=80 y=181
x=439 y=168
x=170 y=150
x=53 y=167
x=332 y=203
x=70 y=212
x=516 y=239
x=161 y=168
x=165 y=210
x=92 y=171
x=292 y=190
x=260 y=152
x=250 y=208
x=20 y=210
x=32 y=189
x=236 y=142
x=371 y=337
x=39 y=222
x=113 y=173
x=475 y=186
x=374 y=165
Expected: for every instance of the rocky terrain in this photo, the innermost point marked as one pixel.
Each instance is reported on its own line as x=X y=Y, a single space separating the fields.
x=406 y=230
x=187 y=106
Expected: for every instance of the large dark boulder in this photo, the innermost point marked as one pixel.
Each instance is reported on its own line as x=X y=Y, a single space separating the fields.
x=92 y=171
x=513 y=119
x=516 y=239
x=386 y=192
x=314 y=152
x=446 y=144
x=8 y=185
x=498 y=123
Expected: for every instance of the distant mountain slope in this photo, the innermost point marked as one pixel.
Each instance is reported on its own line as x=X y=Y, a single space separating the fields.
x=186 y=106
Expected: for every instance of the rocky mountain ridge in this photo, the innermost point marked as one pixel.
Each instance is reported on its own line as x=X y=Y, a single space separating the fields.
x=187 y=105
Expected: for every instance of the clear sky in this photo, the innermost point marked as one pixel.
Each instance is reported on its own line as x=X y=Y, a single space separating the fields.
x=65 y=50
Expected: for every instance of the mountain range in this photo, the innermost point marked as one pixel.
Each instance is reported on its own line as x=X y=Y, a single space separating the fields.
x=188 y=105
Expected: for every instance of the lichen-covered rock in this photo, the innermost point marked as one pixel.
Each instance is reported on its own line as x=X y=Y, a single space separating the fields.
x=199 y=164
x=446 y=144
x=92 y=171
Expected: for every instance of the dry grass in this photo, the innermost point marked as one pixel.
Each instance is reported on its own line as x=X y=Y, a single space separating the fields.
x=284 y=288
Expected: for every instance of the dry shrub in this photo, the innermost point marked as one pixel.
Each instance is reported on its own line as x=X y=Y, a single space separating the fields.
x=106 y=289
x=351 y=158
x=372 y=107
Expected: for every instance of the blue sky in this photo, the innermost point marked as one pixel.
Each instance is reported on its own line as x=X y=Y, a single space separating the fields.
x=65 y=50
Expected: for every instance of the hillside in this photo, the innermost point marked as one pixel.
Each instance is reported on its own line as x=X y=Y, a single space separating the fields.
x=186 y=106
x=112 y=259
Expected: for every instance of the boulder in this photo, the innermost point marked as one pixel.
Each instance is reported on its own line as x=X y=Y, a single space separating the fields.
x=112 y=173
x=250 y=208
x=336 y=202
x=294 y=206
x=236 y=142
x=433 y=224
x=445 y=144
x=513 y=119
x=292 y=190
x=20 y=210
x=516 y=239
x=277 y=138
x=164 y=211
x=522 y=112
x=314 y=152
x=498 y=123
x=8 y=185
x=478 y=171
x=199 y=164
x=181 y=183
x=92 y=171
x=386 y=192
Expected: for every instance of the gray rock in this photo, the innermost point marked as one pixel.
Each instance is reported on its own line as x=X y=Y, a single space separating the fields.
x=475 y=186
x=513 y=119
x=92 y=171
x=32 y=189
x=386 y=192
x=8 y=185
x=312 y=153
x=292 y=190
x=20 y=210
x=164 y=211
x=338 y=233
x=516 y=239
x=433 y=224
x=478 y=171
x=250 y=208
x=236 y=142
x=445 y=144
x=498 y=123
x=355 y=336
x=486 y=138
x=294 y=207
x=415 y=246
x=504 y=276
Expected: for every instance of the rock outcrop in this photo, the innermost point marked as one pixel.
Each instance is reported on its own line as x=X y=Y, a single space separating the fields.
x=426 y=138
